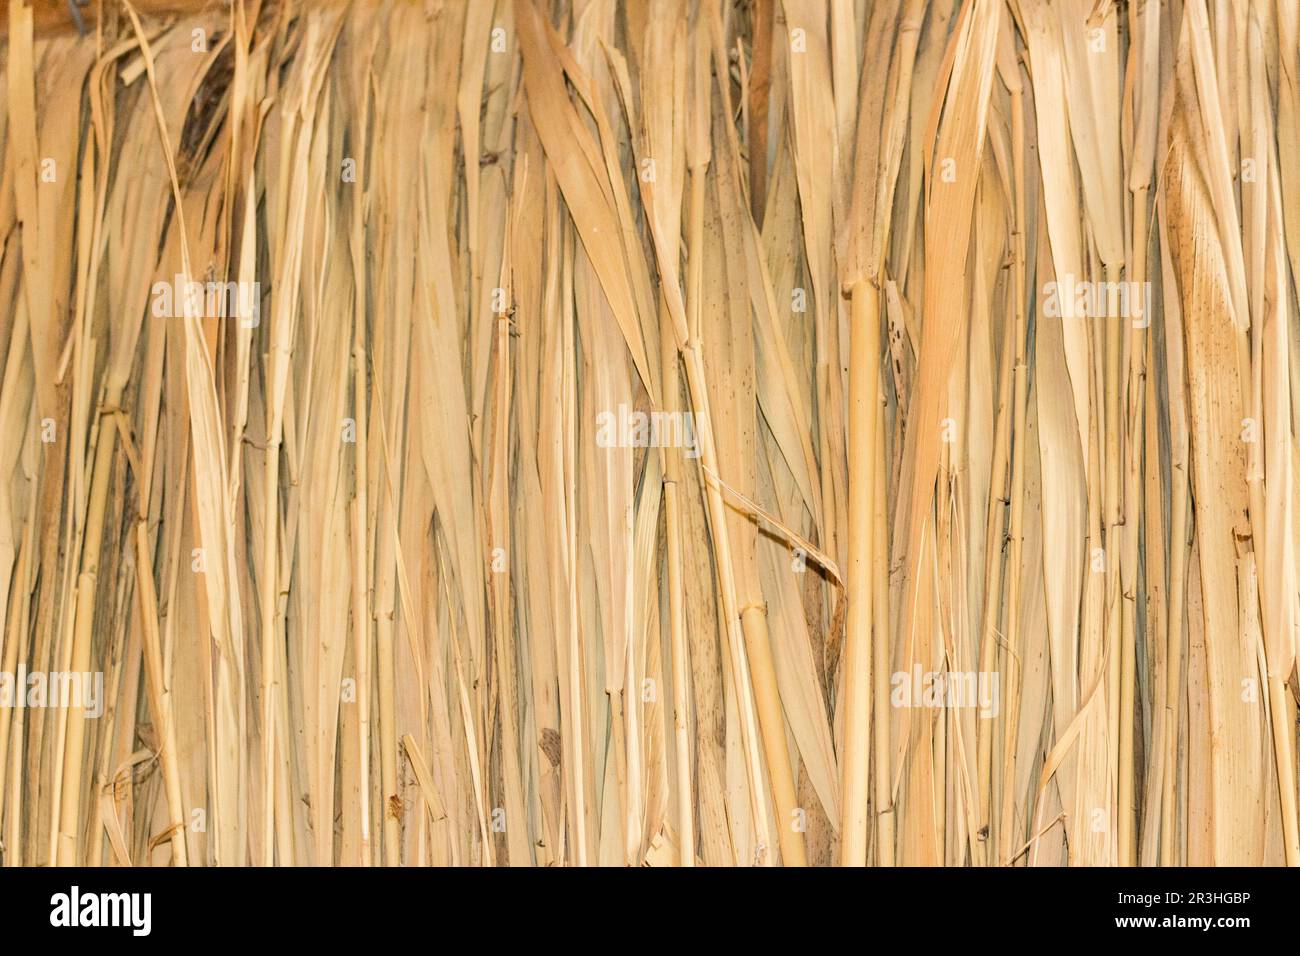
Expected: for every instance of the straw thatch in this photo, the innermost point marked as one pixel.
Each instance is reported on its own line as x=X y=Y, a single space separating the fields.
x=662 y=432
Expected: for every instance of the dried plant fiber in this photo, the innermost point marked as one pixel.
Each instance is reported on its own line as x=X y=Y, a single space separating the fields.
x=661 y=432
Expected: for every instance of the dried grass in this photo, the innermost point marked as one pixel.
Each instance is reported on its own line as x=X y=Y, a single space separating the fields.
x=366 y=582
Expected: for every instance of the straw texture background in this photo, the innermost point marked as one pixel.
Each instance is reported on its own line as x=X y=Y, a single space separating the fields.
x=368 y=583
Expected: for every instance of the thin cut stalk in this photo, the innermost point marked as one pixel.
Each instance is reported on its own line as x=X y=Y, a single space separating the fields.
x=159 y=695
x=677 y=615
x=881 y=657
x=864 y=369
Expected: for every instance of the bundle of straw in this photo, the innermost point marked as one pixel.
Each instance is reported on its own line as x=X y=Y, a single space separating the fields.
x=662 y=432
